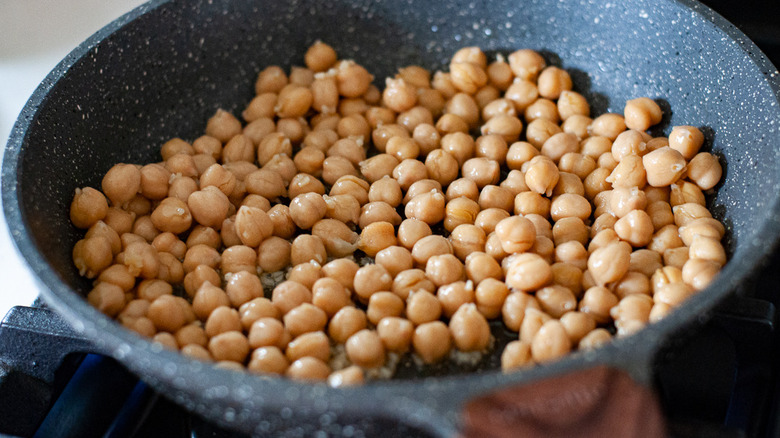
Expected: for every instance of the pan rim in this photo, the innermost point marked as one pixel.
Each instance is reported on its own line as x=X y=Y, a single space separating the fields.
x=68 y=302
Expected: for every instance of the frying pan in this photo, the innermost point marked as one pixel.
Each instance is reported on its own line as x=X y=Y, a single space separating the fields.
x=163 y=69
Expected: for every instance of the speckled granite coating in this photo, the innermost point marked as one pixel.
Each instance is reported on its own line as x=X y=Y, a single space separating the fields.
x=163 y=69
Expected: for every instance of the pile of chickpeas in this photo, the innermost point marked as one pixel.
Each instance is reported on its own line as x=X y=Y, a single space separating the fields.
x=335 y=227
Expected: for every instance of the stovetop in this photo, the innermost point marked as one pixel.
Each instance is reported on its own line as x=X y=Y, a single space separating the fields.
x=720 y=381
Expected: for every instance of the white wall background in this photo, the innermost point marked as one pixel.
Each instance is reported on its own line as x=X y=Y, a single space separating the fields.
x=34 y=36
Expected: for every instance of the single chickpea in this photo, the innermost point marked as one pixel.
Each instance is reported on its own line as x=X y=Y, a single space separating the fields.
x=469 y=329
x=460 y=211
x=305 y=318
x=376 y=236
x=422 y=306
x=556 y=300
x=371 y=279
x=353 y=80
x=444 y=269
x=378 y=212
x=542 y=176
x=382 y=305
x=624 y=200
x=635 y=228
x=88 y=207
x=395 y=259
x=550 y=342
x=642 y=113
x=320 y=56
x=596 y=302
x=312 y=344
x=684 y=192
x=395 y=333
x=481 y=266
x=411 y=280
x=699 y=273
x=664 y=166
x=345 y=323
x=516 y=354
x=526 y=64
x=542 y=109
x=705 y=170
x=427 y=207
x=308 y=368
x=268 y=360
x=482 y=171
x=513 y=309
x=516 y=233
x=341 y=270
x=349 y=376
x=608 y=125
x=595 y=339
x=432 y=341
x=406 y=172
x=365 y=349
x=107 y=298
x=532 y=203
x=462 y=188
x=553 y=81
x=687 y=140
x=243 y=287
x=256 y=309
x=609 y=263
x=527 y=272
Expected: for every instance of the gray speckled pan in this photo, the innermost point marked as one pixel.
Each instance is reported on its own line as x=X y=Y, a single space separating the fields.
x=163 y=69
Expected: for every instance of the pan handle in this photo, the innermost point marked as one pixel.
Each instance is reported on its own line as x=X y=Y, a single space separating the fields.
x=611 y=395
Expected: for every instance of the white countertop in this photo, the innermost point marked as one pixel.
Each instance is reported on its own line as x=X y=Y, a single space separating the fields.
x=34 y=36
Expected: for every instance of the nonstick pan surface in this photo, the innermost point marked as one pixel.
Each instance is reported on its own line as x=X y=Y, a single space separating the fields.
x=162 y=70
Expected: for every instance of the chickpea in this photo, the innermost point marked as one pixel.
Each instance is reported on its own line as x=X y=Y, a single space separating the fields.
x=542 y=109
x=531 y=203
x=107 y=298
x=635 y=228
x=642 y=113
x=595 y=339
x=608 y=125
x=365 y=349
x=553 y=81
x=624 y=200
x=526 y=64
x=705 y=170
x=527 y=272
x=426 y=207
x=469 y=329
x=349 y=376
x=444 y=269
x=371 y=279
x=687 y=140
x=460 y=211
x=243 y=287
x=379 y=166
x=432 y=341
x=313 y=344
x=382 y=305
x=664 y=166
x=283 y=225
x=609 y=263
x=304 y=183
x=542 y=176
x=395 y=259
x=92 y=255
x=304 y=318
x=256 y=309
x=268 y=360
x=550 y=342
x=481 y=266
x=378 y=212
x=409 y=171
x=684 y=192
x=395 y=333
x=343 y=208
x=412 y=230
x=482 y=171
x=699 y=273
x=516 y=234
x=308 y=368
x=320 y=56
x=376 y=236
x=516 y=354
x=353 y=80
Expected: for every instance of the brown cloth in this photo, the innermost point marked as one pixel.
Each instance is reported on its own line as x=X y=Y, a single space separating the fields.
x=596 y=402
